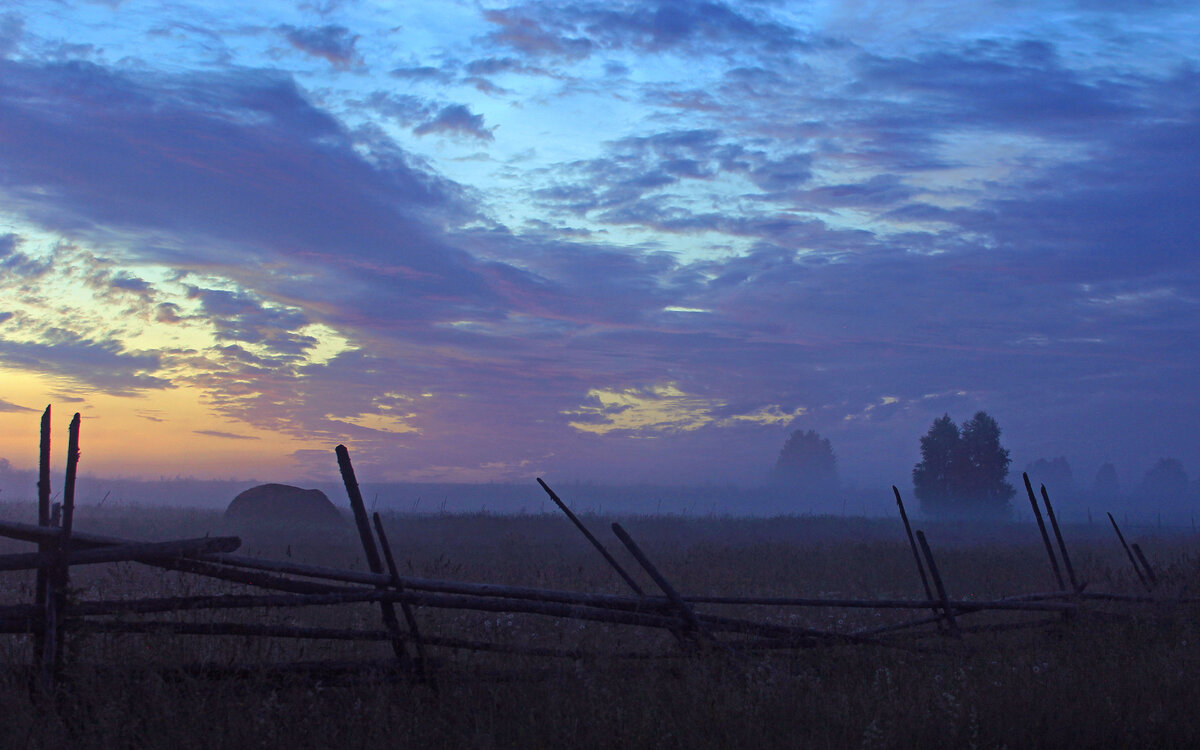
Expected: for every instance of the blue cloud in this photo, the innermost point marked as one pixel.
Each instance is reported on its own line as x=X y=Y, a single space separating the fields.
x=334 y=44
x=456 y=119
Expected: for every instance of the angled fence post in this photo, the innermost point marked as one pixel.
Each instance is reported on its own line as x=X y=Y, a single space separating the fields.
x=387 y=610
x=941 y=587
x=1129 y=553
x=405 y=607
x=595 y=542
x=689 y=616
x=1150 y=576
x=1045 y=537
x=916 y=552
x=1062 y=545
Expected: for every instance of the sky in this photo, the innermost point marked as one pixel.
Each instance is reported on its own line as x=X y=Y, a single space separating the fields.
x=612 y=241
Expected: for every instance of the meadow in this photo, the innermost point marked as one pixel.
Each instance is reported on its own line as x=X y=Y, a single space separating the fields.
x=1126 y=680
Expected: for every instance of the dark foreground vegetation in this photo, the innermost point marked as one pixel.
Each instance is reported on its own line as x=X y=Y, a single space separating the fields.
x=1130 y=679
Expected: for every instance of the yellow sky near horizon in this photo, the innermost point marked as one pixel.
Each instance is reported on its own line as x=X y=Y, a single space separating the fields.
x=140 y=436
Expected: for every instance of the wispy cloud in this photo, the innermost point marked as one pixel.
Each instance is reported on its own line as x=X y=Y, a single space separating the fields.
x=9 y=406
x=225 y=435
x=456 y=119
x=335 y=44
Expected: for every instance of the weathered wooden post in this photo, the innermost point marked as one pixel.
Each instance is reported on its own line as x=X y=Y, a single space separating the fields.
x=1045 y=537
x=56 y=599
x=595 y=542
x=916 y=553
x=405 y=607
x=43 y=582
x=1062 y=545
x=388 y=612
x=689 y=616
x=941 y=587
x=612 y=561
x=1129 y=552
x=1150 y=576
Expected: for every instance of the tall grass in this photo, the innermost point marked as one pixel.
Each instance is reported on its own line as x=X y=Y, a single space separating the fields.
x=1078 y=683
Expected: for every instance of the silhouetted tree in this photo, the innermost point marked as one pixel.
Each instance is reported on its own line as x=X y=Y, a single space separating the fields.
x=984 y=465
x=962 y=472
x=933 y=477
x=1055 y=474
x=806 y=461
x=1106 y=483
x=1166 y=480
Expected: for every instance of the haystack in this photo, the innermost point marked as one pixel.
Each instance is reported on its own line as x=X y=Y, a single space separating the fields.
x=283 y=503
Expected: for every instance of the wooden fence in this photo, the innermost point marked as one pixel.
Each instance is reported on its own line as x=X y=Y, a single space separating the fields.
x=278 y=584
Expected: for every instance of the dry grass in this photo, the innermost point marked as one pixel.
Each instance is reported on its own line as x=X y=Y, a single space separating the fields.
x=1080 y=683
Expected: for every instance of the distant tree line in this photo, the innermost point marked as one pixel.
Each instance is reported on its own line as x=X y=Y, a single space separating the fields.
x=1163 y=483
x=963 y=472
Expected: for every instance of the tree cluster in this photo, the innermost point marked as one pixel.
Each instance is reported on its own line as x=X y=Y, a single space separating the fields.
x=962 y=471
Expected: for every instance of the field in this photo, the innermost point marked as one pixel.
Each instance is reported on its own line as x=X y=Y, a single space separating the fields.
x=1129 y=680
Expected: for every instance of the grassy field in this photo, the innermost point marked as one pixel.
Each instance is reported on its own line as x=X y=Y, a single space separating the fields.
x=1078 y=683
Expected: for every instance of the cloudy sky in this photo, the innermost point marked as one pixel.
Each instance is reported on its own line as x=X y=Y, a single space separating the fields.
x=619 y=241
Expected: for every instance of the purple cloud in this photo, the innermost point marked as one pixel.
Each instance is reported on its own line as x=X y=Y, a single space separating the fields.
x=996 y=85
x=456 y=119
x=423 y=73
x=232 y=166
x=10 y=407
x=226 y=435
x=577 y=30
x=101 y=365
x=334 y=44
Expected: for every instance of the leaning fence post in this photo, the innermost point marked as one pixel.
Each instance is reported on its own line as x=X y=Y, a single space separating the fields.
x=387 y=611
x=1045 y=537
x=941 y=588
x=1128 y=552
x=595 y=542
x=685 y=611
x=916 y=553
x=1137 y=550
x=397 y=584
x=601 y=549
x=1062 y=545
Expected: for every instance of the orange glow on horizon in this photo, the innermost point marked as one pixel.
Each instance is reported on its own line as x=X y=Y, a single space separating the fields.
x=149 y=435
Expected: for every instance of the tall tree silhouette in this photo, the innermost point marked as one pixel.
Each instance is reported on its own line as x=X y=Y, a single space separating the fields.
x=984 y=465
x=806 y=461
x=933 y=477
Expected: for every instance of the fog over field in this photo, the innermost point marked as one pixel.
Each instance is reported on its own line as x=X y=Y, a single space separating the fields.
x=586 y=497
